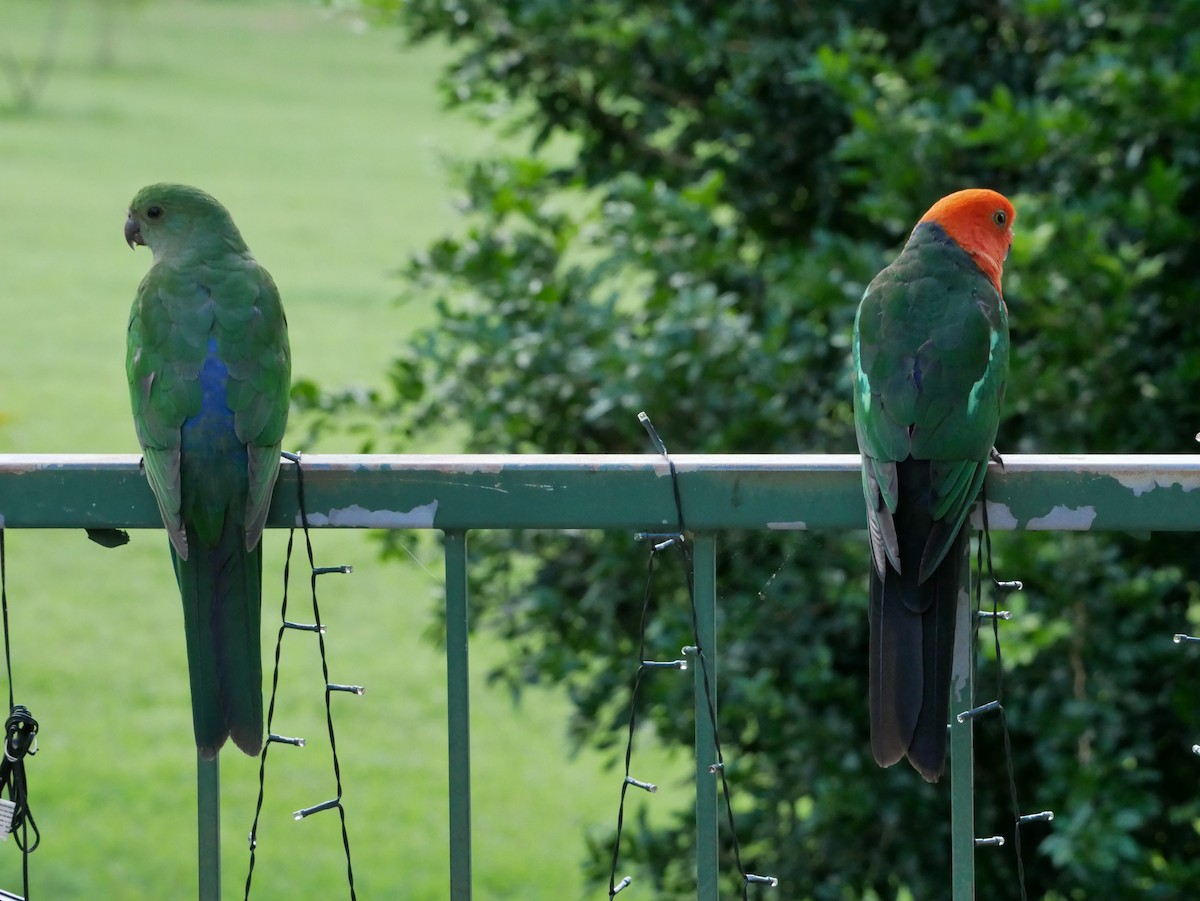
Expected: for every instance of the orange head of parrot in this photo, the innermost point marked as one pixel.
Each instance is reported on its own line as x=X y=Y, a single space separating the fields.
x=980 y=221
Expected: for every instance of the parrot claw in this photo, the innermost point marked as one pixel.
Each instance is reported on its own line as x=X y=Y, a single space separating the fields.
x=994 y=456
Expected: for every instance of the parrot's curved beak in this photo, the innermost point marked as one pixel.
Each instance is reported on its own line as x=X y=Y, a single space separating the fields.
x=133 y=233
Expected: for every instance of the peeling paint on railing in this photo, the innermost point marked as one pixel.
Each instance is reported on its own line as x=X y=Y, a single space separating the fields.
x=357 y=517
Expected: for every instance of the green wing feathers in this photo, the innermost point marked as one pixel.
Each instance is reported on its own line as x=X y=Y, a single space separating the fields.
x=171 y=321
x=930 y=363
x=165 y=349
x=258 y=387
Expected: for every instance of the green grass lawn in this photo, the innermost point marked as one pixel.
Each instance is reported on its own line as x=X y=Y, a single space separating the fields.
x=323 y=139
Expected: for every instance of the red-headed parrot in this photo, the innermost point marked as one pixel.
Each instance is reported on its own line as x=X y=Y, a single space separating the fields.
x=209 y=376
x=930 y=363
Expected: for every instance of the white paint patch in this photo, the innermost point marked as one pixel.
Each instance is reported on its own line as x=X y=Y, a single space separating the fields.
x=999 y=517
x=358 y=517
x=796 y=525
x=1144 y=482
x=1061 y=518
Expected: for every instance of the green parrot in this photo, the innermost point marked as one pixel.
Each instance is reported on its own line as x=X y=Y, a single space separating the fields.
x=209 y=377
x=930 y=365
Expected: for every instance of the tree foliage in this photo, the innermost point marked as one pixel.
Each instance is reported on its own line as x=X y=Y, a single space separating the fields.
x=707 y=191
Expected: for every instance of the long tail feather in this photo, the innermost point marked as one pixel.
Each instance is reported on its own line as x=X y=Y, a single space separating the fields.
x=897 y=685
x=221 y=588
x=927 y=749
x=912 y=639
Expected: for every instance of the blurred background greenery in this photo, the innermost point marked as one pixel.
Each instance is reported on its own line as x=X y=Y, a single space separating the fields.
x=671 y=207
x=723 y=180
x=324 y=137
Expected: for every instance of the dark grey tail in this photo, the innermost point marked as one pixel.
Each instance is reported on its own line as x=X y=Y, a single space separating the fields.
x=912 y=641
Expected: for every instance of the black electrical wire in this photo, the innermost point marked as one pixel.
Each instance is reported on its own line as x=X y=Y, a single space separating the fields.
x=680 y=541
x=985 y=543
x=318 y=628
x=20 y=741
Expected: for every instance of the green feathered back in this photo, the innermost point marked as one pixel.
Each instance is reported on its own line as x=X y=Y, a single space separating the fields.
x=930 y=365
x=205 y=283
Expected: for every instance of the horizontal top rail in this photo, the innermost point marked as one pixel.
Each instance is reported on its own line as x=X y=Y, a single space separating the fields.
x=612 y=491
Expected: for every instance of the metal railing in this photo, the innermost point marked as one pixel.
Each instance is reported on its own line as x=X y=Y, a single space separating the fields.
x=459 y=493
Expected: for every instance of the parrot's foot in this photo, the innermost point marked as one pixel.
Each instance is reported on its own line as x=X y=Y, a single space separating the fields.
x=994 y=456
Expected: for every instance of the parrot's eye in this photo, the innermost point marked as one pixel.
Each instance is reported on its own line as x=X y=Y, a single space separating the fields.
x=154 y=212
x=1000 y=217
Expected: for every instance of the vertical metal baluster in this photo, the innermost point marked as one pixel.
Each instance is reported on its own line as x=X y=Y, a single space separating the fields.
x=458 y=714
x=704 y=563
x=962 y=745
x=208 y=827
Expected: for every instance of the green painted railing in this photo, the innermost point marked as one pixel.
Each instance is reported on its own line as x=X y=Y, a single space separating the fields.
x=457 y=494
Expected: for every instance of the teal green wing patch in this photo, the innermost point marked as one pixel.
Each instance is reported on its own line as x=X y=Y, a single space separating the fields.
x=164 y=353
x=254 y=347
x=883 y=398
x=951 y=480
x=161 y=466
x=964 y=364
x=931 y=356
x=955 y=485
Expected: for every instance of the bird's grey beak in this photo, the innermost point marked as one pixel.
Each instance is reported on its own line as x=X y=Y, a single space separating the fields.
x=133 y=233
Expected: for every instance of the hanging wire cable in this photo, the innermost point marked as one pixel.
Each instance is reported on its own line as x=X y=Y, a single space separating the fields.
x=677 y=540
x=613 y=886
x=20 y=741
x=262 y=758
x=314 y=572
x=985 y=545
x=318 y=627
